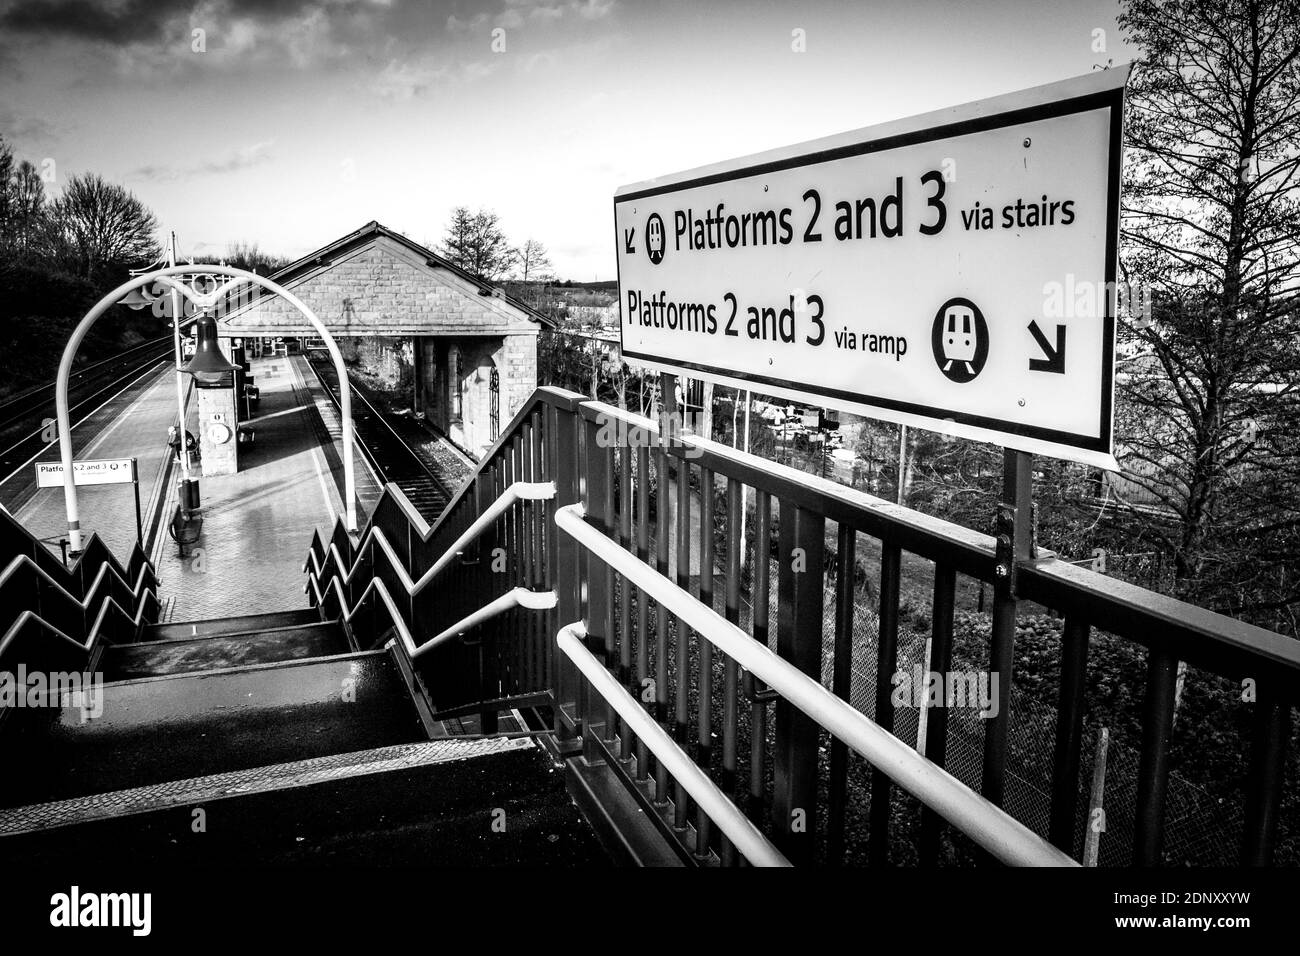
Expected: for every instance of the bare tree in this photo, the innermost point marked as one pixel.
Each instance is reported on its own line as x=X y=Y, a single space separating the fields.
x=533 y=271
x=476 y=243
x=1209 y=394
x=243 y=254
x=96 y=224
x=6 y=192
x=532 y=263
x=27 y=207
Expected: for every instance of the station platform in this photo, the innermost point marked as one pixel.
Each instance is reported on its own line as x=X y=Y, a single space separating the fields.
x=257 y=524
x=136 y=430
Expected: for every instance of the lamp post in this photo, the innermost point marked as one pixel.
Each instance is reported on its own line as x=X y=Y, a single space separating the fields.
x=204 y=301
x=177 y=314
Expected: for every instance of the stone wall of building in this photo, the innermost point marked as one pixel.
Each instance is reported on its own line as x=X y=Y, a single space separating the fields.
x=382 y=289
x=519 y=374
x=378 y=297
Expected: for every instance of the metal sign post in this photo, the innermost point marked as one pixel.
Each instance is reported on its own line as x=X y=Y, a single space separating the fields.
x=1014 y=534
x=103 y=471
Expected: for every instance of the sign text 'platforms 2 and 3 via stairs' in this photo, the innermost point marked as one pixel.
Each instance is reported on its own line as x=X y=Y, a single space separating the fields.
x=912 y=271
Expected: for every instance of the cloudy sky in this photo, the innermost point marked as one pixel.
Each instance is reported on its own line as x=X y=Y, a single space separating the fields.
x=292 y=122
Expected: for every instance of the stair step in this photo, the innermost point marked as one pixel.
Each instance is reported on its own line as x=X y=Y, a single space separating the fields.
x=158 y=729
x=430 y=804
x=232 y=625
x=213 y=652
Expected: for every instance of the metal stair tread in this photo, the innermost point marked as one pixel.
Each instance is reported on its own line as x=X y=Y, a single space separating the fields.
x=280 y=776
x=223 y=635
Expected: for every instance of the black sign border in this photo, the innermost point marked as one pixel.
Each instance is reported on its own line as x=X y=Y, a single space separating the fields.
x=1111 y=100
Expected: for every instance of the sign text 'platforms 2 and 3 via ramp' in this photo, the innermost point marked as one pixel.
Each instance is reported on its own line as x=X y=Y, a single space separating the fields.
x=928 y=271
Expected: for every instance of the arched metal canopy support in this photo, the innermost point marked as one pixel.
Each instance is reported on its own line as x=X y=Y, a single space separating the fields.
x=201 y=301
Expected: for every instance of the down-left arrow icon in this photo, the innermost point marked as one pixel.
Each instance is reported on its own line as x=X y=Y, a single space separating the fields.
x=628 y=235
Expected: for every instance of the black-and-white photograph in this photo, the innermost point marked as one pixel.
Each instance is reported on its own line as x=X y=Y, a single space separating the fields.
x=571 y=435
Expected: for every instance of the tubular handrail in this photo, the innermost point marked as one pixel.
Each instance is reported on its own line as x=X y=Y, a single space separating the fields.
x=987 y=825
x=137 y=592
x=515 y=597
x=94 y=549
x=26 y=616
x=1107 y=603
x=545 y=396
x=519 y=491
x=376 y=586
x=374 y=536
x=747 y=838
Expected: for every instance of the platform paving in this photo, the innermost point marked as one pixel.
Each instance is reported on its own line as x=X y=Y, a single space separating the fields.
x=139 y=431
x=370 y=486
x=257 y=524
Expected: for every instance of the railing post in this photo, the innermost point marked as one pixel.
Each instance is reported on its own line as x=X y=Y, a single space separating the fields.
x=539 y=639
x=934 y=746
x=565 y=568
x=1069 y=732
x=891 y=563
x=489 y=645
x=596 y=477
x=663 y=526
x=1153 y=766
x=1016 y=527
x=642 y=600
x=1272 y=730
x=799 y=641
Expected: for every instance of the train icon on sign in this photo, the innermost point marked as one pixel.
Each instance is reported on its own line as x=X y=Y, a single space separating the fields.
x=654 y=239
x=960 y=339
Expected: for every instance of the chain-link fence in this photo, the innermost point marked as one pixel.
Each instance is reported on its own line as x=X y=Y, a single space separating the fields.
x=1201 y=829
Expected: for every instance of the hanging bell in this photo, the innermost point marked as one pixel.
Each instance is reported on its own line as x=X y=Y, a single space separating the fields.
x=136 y=299
x=208 y=364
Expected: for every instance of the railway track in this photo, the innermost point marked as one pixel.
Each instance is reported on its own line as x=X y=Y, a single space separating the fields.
x=25 y=419
x=392 y=446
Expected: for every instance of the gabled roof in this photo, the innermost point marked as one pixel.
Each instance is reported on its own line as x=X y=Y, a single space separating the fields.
x=374 y=229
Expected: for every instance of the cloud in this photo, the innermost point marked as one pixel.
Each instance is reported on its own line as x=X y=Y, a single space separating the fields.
x=17 y=128
x=155 y=40
x=242 y=158
x=517 y=13
x=131 y=21
x=147 y=35
x=401 y=81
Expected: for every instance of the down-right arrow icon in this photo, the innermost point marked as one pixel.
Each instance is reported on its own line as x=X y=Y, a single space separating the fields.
x=1055 y=361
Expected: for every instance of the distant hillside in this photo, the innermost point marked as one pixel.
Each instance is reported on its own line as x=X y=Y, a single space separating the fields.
x=606 y=285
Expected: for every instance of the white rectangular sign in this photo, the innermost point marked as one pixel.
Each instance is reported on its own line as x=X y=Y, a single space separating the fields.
x=954 y=271
x=104 y=471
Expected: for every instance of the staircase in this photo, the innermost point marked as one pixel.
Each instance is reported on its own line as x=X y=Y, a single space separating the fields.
x=273 y=739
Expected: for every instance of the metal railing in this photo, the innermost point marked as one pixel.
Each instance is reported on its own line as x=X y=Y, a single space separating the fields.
x=988 y=826
x=333 y=579
x=112 y=610
x=333 y=589
x=756 y=848
x=62 y=614
x=678 y=507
